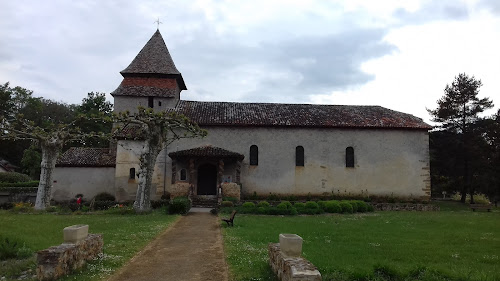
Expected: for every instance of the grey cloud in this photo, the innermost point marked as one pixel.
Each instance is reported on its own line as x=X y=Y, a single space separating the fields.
x=492 y=5
x=432 y=11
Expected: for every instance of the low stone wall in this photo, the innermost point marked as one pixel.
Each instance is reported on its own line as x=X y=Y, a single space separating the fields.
x=231 y=189
x=179 y=189
x=58 y=261
x=291 y=268
x=404 y=207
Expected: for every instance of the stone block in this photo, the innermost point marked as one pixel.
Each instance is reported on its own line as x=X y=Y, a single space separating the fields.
x=291 y=245
x=75 y=233
x=291 y=268
x=231 y=189
x=61 y=260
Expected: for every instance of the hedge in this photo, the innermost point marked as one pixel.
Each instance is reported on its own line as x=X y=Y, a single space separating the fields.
x=13 y=177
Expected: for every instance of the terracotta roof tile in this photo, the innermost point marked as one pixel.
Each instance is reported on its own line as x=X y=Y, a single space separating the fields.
x=143 y=91
x=206 y=151
x=297 y=115
x=86 y=157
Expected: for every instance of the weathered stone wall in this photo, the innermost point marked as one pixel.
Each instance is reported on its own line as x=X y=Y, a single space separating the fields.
x=291 y=268
x=231 y=189
x=179 y=189
x=58 y=261
x=404 y=207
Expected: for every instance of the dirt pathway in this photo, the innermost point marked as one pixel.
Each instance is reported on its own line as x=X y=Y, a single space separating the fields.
x=189 y=250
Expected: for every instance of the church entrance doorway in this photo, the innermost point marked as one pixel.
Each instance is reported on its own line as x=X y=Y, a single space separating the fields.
x=207 y=179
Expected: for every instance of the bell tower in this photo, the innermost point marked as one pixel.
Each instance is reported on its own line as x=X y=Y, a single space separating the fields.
x=151 y=80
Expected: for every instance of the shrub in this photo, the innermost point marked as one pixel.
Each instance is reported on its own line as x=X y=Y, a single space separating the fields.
x=22 y=207
x=346 y=207
x=13 y=177
x=299 y=205
x=98 y=205
x=322 y=204
x=104 y=196
x=227 y=204
x=284 y=205
x=333 y=207
x=214 y=211
x=248 y=205
x=292 y=198
x=370 y=208
x=262 y=210
x=306 y=211
x=231 y=199
x=11 y=248
x=312 y=205
x=120 y=209
x=263 y=204
x=5 y=185
x=179 y=205
x=354 y=205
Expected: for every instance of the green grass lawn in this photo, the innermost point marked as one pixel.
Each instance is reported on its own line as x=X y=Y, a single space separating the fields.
x=123 y=236
x=455 y=244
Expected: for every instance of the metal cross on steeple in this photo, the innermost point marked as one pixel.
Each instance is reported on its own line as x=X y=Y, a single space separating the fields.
x=158 y=22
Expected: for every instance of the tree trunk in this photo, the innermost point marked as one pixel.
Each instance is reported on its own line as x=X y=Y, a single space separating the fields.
x=150 y=152
x=50 y=151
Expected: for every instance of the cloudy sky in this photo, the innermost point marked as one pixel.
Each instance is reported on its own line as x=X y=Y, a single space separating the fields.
x=397 y=54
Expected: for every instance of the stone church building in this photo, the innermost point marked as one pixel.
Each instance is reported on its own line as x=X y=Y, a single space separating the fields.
x=252 y=148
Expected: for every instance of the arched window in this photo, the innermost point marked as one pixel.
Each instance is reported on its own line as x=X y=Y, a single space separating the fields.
x=254 y=155
x=349 y=157
x=132 y=173
x=299 y=156
x=183 y=175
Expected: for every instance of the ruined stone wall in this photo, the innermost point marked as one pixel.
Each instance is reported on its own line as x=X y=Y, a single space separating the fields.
x=58 y=261
x=231 y=190
x=291 y=268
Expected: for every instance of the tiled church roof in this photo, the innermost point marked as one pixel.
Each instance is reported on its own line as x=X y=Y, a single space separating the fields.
x=87 y=157
x=206 y=151
x=297 y=115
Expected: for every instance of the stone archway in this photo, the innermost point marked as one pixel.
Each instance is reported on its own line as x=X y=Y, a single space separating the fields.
x=207 y=180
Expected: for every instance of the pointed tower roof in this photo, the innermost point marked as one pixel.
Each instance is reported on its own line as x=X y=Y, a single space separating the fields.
x=154 y=58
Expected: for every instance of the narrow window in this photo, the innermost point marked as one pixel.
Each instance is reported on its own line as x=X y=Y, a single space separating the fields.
x=183 y=175
x=159 y=103
x=150 y=102
x=349 y=157
x=254 y=155
x=132 y=173
x=299 y=156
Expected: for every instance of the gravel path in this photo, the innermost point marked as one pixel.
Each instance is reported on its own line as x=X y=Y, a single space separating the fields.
x=191 y=250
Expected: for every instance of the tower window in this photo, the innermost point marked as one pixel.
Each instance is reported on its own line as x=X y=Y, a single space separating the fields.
x=183 y=174
x=254 y=155
x=299 y=156
x=159 y=103
x=150 y=102
x=132 y=173
x=349 y=157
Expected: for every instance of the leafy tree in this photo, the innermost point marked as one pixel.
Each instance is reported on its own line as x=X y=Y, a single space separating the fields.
x=158 y=130
x=457 y=113
x=95 y=104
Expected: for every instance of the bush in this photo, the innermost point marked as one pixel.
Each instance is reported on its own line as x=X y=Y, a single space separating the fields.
x=299 y=205
x=370 y=208
x=11 y=248
x=120 y=209
x=98 y=205
x=180 y=205
x=104 y=196
x=13 y=177
x=227 y=204
x=322 y=204
x=22 y=207
x=346 y=207
x=264 y=204
x=306 y=211
x=4 y=185
x=362 y=206
x=284 y=205
x=354 y=205
x=312 y=205
x=333 y=207
x=248 y=205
